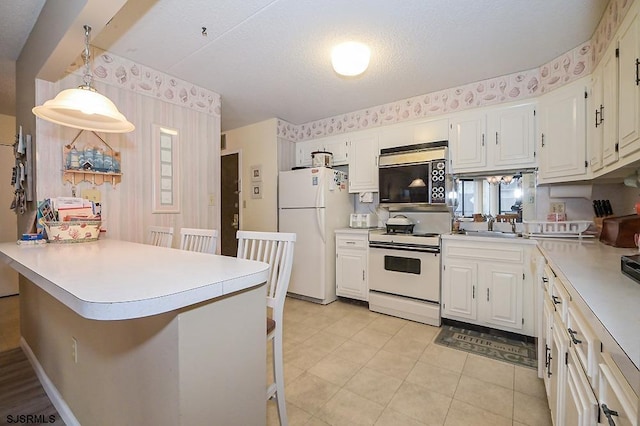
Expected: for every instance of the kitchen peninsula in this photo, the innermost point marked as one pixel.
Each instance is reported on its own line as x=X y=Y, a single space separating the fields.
x=126 y=333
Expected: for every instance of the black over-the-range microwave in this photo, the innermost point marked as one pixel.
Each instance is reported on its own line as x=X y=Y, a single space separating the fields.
x=414 y=175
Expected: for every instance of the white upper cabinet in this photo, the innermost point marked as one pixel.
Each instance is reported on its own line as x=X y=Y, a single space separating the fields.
x=363 y=164
x=595 y=133
x=335 y=145
x=493 y=139
x=602 y=115
x=608 y=117
x=422 y=131
x=629 y=94
x=468 y=150
x=511 y=136
x=562 y=133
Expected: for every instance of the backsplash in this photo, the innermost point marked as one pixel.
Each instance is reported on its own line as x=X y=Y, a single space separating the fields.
x=568 y=67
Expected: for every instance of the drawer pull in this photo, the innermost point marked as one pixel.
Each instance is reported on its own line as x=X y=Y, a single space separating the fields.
x=545 y=279
x=573 y=333
x=556 y=300
x=609 y=414
x=350 y=242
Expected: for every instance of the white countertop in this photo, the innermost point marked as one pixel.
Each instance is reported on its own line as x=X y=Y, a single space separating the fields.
x=593 y=269
x=115 y=280
x=359 y=231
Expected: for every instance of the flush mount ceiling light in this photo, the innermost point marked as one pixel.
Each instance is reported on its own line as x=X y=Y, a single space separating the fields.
x=350 y=58
x=83 y=107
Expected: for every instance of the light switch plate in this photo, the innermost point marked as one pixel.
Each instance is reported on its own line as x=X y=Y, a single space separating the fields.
x=557 y=207
x=91 y=195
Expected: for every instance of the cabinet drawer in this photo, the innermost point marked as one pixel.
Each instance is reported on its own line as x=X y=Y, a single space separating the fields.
x=561 y=298
x=584 y=340
x=351 y=243
x=482 y=252
x=615 y=394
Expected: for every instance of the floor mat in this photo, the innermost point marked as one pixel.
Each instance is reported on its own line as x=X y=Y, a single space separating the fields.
x=489 y=345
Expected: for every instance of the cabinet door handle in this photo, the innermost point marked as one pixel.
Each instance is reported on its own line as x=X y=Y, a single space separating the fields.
x=496 y=138
x=637 y=76
x=545 y=279
x=543 y=140
x=556 y=300
x=487 y=295
x=483 y=139
x=473 y=292
x=608 y=413
x=601 y=114
x=363 y=275
x=549 y=358
x=597 y=114
x=546 y=356
x=573 y=333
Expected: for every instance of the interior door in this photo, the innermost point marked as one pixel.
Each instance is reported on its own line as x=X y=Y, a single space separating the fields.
x=230 y=203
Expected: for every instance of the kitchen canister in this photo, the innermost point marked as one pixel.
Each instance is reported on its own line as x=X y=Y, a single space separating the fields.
x=321 y=159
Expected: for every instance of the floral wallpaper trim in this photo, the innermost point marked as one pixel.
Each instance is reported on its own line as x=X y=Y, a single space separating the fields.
x=120 y=72
x=564 y=69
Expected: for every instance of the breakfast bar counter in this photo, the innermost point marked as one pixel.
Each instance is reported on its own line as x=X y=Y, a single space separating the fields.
x=126 y=333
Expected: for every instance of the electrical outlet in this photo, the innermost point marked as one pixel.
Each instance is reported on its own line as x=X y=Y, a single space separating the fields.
x=74 y=349
x=557 y=207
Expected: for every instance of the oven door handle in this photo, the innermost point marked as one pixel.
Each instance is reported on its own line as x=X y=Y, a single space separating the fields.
x=405 y=248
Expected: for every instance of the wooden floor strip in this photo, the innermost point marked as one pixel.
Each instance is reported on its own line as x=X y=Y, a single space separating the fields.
x=21 y=394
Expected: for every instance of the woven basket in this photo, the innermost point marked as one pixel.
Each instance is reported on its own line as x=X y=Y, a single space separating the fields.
x=73 y=232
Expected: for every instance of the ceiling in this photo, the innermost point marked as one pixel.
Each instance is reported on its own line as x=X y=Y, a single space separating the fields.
x=16 y=20
x=270 y=58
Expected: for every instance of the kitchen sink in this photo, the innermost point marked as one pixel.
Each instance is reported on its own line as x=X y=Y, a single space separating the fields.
x=494 y=234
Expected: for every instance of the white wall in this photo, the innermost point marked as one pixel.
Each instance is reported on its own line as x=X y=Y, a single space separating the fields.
x=258 y=144
x=127 y=207
x=8 y=220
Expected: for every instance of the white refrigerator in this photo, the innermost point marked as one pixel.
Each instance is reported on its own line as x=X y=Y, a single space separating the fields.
x=313 y=203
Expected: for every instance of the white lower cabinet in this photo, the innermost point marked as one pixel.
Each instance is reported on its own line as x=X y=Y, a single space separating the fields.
x=351 y=264
x=583 y=384
x=580 y=405
x=618 y=403
x=485 y=283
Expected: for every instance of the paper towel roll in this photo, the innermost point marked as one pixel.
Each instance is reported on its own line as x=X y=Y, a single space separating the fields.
x=570 y=191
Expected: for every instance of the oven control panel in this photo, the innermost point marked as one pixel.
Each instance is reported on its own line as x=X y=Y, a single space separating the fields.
x=437 y=177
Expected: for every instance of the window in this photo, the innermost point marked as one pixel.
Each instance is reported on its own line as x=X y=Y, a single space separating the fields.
x=466 y=197
x=503 y=196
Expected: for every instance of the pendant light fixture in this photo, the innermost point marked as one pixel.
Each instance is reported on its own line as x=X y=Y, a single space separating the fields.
x=83 y=107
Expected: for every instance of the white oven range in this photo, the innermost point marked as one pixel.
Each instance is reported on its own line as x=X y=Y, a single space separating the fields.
x=404 y=268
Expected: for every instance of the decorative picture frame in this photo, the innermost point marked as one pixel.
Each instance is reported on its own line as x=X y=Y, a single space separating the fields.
x=166 y=170
x=256 y=173
x=256 y=190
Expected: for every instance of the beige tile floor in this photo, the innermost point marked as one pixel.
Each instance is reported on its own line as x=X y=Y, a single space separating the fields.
x=345 y=365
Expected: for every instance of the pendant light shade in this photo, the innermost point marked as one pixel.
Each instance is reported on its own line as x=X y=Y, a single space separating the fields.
x=83 y=107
